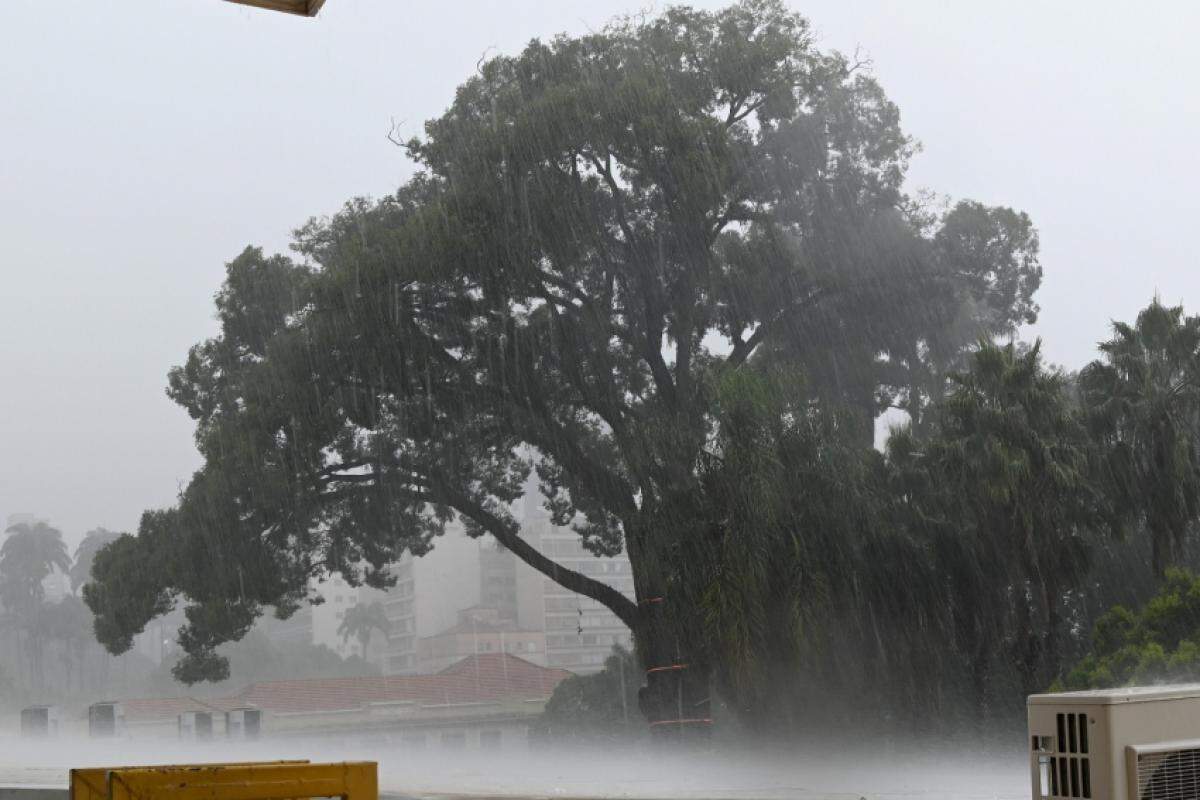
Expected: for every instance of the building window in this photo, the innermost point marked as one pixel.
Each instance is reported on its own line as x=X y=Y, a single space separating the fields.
x=413 y=741
x=454 y=741
x=489 y=740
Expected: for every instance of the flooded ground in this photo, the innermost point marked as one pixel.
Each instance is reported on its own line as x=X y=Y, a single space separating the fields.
x=836 y=774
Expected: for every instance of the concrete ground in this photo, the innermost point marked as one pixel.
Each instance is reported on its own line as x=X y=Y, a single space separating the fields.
x=28 y=766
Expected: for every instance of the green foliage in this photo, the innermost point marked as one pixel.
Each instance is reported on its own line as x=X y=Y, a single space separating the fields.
x=126 y=590
x=789 y=504
x=1158 y=643
x=595 y=708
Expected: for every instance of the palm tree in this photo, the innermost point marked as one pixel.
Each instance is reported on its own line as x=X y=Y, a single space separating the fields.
x=93 y=542
x=361 y=620
x=30 y=553
x=1143 y=397
x=1013 y=458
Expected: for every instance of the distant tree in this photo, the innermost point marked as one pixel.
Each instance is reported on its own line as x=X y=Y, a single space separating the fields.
x=31 y=551
x=360 y=621
x=597 y=708
x=10 y=691
x=257 y=657
x=590 y=217
x=69 y=623
x=1143 y=395
x=93 y=541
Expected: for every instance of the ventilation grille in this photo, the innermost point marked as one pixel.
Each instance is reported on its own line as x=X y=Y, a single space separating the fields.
x=1172 y=775
x=1065 y=771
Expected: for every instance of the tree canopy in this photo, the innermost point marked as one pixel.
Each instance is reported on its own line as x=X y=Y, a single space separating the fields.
x=31 y=551
x=604 y=229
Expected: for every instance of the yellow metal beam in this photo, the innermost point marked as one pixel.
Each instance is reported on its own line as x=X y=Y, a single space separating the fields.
x=92 y=783
x=305 y=8
x=350 y=781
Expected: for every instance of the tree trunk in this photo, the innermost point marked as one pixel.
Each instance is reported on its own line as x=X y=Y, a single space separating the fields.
x=676 y=698
x=1053 y=656
x=1026 y=643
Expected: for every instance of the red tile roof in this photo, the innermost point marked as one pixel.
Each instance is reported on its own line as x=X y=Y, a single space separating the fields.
x=153 y=708
x=482 y=678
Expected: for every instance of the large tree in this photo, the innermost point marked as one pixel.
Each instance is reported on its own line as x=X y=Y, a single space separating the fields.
x=1144 y=398
x=603 y=228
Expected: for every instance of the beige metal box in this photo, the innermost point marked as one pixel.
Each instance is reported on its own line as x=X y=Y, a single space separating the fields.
x=1136 y=743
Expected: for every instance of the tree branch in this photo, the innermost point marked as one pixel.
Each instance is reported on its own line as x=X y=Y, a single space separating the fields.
x=744 y=348
x=625 y=609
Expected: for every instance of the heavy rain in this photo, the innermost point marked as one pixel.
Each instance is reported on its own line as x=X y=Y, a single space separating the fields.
x=746 y=399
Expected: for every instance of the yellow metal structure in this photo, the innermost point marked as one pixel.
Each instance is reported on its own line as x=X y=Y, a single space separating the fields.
x=92 y=783
x=278 y=780
x=305 y=8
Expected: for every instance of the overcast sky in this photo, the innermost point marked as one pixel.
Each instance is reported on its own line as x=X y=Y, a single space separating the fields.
x=143 y=143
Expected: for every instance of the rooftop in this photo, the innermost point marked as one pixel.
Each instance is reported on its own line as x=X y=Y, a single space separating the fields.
x=1125 y=694
x=483 y=678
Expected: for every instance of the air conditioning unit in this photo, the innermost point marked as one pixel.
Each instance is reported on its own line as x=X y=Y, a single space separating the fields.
x=40 y=721
x=243 y=723
x=106 y=720
x=1137 y=743
x=196 y=726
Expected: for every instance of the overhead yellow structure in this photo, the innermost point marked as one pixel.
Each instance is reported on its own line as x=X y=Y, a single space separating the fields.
x=305 y=8
x=279 y=780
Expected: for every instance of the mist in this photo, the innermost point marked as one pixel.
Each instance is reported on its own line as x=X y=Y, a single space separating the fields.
x=877 y=771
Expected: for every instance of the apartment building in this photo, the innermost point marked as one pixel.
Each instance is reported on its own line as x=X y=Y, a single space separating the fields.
x=580 y=633
x=554 y=626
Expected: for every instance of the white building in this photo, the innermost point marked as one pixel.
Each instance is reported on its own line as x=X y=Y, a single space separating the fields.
x=461 y=573
x=580 y=633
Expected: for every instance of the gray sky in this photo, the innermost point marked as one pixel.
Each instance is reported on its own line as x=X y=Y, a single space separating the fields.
x=144 y=142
